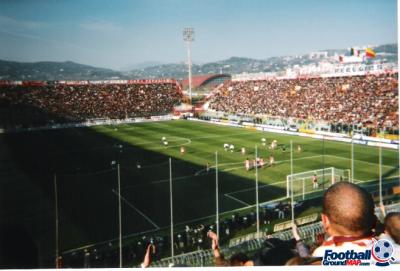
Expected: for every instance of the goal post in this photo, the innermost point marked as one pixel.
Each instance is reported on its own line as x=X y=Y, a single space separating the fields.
x=305 y=182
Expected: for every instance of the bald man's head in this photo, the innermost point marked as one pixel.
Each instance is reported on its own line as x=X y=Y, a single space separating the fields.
x=349 y=208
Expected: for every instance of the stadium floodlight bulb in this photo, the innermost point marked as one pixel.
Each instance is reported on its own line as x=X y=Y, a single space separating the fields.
x=188 y=34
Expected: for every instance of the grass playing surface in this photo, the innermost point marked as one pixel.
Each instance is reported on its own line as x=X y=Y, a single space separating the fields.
x=82 y=159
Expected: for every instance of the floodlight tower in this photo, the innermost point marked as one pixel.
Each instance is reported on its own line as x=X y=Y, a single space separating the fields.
x=188 y=37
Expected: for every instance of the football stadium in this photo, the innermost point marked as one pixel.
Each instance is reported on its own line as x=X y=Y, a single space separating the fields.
x=219 y=169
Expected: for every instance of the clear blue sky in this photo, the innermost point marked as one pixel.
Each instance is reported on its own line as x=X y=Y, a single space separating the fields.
x=119 y=33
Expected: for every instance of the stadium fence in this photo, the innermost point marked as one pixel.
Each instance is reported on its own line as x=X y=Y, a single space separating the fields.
x=250 y=243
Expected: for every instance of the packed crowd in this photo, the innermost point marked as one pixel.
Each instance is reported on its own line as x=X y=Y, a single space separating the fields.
x=351 y=228
x=41 y=105
x=366 y=100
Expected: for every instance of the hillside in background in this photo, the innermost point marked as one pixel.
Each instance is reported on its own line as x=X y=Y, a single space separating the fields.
x=10 y=70
x=73 y=71
x=235 y=65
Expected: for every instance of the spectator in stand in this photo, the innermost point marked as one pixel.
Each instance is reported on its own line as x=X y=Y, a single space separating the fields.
x=238 y=259
x=301 y=247
x=369 y=100
x=60 y=103
x=273 y=252
x=151 y=249
x=218 y=257
x=348 y=218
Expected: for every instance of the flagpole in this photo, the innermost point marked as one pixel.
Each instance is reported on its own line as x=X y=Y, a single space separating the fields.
x=380 y=174
x=352 y=156
x=323 y=163
x=257 y=203
x=216 y=195
x=171 y=210
x=56 y=218
x=291 y=178
x=119 y=217
x=398 y=108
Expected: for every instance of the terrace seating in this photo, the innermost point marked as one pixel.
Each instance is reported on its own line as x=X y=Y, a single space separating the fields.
x=370 y=101
x=29 y=106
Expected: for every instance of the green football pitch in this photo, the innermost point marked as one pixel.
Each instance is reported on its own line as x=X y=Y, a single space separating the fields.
x=84 y=163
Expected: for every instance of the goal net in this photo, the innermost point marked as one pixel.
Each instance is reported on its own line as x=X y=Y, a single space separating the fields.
x=311 y=181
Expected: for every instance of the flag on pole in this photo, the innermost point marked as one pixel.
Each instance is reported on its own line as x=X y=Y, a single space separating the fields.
x=354 y=52
x=370 y=53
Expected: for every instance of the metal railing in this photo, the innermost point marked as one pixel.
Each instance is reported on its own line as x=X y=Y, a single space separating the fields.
x=250 y=243
x=206 y=257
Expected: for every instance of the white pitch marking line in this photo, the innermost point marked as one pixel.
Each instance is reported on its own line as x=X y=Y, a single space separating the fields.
x=247 y=207
x=235 y=199
x=136 y=209
x=355 y=144
x=201 y=172
x=375 y=164
x=172 y=139
x=252 y=188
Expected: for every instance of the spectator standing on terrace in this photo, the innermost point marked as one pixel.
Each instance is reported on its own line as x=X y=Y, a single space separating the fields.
x=219 y=259
x=348 y=218
x=151 y=250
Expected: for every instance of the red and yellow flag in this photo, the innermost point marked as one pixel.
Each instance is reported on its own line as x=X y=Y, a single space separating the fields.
x=369 y=53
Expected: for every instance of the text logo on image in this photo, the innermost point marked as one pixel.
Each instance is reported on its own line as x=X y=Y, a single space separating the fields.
x=381 y=254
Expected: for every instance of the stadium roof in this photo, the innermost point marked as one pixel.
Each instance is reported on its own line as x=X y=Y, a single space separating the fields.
x=203 y=80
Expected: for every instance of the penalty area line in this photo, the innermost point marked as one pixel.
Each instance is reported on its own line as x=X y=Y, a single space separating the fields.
x=361 y=161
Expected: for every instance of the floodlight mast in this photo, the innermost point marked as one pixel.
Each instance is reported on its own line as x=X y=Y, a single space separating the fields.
x=188 y=37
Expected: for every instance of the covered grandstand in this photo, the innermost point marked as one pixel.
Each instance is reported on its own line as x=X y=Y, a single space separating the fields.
x=206 y=82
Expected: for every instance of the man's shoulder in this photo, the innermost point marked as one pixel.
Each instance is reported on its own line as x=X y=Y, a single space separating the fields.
x=356 y=245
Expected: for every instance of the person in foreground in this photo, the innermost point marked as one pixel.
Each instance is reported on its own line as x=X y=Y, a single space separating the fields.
x=273 y=252
x=151 y=249
x=392 y=231
x=348 y=218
